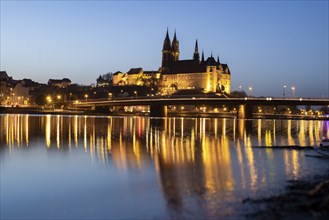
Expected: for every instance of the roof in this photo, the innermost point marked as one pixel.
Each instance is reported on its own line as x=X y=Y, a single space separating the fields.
x=116 y=73
x=166 y=43
x=186 y=66
x=150 y=72
x=135 y=71
x=224 y=67
x=30 y=83
x=66 y=80
x=3 y=75
x=211 y=61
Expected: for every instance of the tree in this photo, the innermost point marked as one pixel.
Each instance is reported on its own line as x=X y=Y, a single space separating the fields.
x=108 y=76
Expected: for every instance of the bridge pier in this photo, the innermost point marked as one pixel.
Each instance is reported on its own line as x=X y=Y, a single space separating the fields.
x=101 y=109
x=245 y=112
x=158 y=110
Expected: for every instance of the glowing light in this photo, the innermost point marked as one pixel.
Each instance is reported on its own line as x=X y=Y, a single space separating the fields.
x=48 y=130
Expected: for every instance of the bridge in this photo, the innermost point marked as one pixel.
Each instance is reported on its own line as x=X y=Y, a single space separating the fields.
x=158 y=105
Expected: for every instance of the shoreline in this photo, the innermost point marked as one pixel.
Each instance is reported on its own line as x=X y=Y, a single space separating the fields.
x=306 y=198
x=10 y=110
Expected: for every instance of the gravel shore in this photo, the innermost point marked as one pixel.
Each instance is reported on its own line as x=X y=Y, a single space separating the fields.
x=302 y=199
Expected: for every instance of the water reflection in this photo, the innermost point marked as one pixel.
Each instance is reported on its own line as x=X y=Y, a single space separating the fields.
x=194 y=158
x=175 y=139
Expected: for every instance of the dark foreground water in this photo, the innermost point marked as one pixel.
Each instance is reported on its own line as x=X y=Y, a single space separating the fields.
x=87 y=167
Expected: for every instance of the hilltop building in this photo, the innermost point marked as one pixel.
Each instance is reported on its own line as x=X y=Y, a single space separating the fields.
x=61 y=83
x=135 y=76
x=208 y=75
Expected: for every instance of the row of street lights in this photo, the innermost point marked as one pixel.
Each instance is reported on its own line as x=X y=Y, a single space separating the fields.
x=249 y=88
x=293 y=89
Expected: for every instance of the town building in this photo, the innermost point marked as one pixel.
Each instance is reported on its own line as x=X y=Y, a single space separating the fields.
x=25 y=92
x=6 y=88
x=61 y=83
x=208 y=75
x=135 y=76
x=119 y=78
x=101 y=82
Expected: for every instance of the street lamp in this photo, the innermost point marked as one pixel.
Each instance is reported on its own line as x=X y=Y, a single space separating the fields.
x=250 y=90
x=240 y=88
x=136 y=94
x=293 y=91
x=86 y=97
x=49 y=100
x=284 y=90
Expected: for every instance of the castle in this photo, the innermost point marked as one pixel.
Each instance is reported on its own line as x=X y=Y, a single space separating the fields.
x=208 y=75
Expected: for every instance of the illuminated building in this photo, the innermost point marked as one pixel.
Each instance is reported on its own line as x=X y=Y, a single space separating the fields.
x=135 y=76
x=208 y=75
x=101 y=82
x=61 y=83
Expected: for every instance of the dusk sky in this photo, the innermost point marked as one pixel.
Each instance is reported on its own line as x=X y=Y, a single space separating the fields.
x=266 y=44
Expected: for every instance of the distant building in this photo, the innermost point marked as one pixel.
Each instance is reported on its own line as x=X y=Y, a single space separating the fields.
x=101 y=82
x=61 y=83
x=21 y=94
x=119 y=78
x=209 y=75
x=24 y=92
x=4 y=76
x=104 y=80
x=135 y=76
x=6 y=88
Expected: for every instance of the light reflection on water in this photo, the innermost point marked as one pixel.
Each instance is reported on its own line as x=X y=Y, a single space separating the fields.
x=172 y=167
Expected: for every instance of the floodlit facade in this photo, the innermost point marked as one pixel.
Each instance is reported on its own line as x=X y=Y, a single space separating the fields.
x=135 y=76
x=209 y=75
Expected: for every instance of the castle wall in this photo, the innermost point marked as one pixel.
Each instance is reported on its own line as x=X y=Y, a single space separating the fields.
x=225 y=80
x=183 y=81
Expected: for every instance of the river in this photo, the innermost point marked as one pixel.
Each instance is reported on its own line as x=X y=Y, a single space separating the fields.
x=91 y=167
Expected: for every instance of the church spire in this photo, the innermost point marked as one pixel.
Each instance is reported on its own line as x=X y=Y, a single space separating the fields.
x=175 y=38
x=202 y=59
x=218 y=60
x=196 y=50
x=166 y=52
x=175 y=48
x=196 y=56
x=166 y=43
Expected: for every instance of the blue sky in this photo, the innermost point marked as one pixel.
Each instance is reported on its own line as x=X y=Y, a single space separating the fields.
x=266 y=44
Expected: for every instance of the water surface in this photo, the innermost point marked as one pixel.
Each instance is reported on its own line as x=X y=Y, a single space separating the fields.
x=83 y=167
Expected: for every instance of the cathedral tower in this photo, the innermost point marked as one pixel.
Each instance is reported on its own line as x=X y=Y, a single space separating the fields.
x=196 y=55
x=166 y=52
x=175 y=48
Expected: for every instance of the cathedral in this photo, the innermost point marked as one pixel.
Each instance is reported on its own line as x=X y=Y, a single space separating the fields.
x=208 y=75
x=203 y=75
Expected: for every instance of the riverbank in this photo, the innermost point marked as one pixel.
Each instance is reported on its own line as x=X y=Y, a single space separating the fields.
x=302 y=199
x=20 y=110
x=39 y=111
